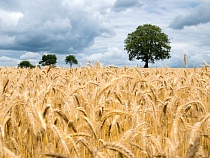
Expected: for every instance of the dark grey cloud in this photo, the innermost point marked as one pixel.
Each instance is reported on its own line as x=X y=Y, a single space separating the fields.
x=121 y=5
x=54 y=26
x=199 y=15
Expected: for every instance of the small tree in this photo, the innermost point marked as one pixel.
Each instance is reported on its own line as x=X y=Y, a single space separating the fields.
x=71 y=59
x=148 y=43
x=25 y=64
x=49 y=59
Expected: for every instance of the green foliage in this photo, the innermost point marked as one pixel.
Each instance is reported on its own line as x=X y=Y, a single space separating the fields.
x=147 y=43
x=49 y=59
x=25 y=64
x=71 y=59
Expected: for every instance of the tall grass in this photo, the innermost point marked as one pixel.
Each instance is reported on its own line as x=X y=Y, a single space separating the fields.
x=104 y=112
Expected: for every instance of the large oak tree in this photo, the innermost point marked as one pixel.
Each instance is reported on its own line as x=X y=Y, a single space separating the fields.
x=147 y=43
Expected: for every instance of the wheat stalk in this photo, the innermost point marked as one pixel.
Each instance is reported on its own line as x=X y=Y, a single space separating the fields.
x=55 y=155
x=8 y=152
x=88 y=146
x=118 y=147
x=193 y=147
x=91 y=126
x=185 y=60
x=61 y=139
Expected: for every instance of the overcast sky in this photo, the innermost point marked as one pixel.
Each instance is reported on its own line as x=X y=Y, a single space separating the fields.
x=95 y=30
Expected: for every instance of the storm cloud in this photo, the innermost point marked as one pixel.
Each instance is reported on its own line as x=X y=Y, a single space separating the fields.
x=199 y=15
x=53 y=26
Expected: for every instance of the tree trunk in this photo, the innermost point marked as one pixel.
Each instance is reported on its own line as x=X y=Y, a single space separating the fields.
x=146 y=64
x=70 y=64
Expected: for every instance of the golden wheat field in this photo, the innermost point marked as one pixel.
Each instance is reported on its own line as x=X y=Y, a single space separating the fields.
x=104 y=112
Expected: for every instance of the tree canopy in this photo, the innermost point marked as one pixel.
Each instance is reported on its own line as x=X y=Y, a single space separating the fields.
x=71 y=59
x=147 y=43
x=25 y=64
x=49 y=59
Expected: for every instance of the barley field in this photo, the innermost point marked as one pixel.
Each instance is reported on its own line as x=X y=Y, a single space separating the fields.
x=104 y=112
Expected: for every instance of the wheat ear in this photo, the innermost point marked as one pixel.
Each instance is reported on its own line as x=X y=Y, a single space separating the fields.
x=74 y=145
x=88 y=146
x=91 y=126
x=111 y=113
x=55 y=155
x=117 y=147
x=185 y=60
x=61 y=139
x=9 y=153
x=193 y=148
x=65 y=118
